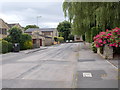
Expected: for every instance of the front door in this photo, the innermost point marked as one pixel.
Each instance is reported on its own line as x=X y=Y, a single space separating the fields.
x=40 y=42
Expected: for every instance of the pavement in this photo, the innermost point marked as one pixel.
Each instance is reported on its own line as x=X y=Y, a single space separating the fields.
x=68 y=65
x=99 y=73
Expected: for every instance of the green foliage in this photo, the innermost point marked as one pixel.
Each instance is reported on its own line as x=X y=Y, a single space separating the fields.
x=10 y=47
x=94 y=32
x=88 y=36
x=56 y=39
x=86 y=15
x=64 y=29
x=31 y=26
x=5 y=46
x=15 y=34
x=71 y=37
x=8 y=38
x=60 y=39
x=25 y=38
x=28 y=45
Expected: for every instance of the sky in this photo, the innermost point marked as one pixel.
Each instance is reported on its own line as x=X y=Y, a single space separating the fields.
x=25 y=12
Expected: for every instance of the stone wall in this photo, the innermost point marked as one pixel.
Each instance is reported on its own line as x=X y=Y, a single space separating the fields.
x=107 y=52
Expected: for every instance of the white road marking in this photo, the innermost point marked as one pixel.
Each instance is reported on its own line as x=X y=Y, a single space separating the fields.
x=87 y=75
x=112 y=65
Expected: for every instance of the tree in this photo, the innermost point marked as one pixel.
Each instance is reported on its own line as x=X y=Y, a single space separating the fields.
x=25 y=40
x=64 y=29
x=15 y=34
x=31 y=26
x=85 y=15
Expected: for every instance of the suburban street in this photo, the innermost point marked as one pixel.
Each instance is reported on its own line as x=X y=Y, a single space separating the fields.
x=68 y=65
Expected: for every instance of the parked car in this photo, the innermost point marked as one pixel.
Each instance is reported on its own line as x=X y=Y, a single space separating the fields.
x=71 y=40
x=67 y=41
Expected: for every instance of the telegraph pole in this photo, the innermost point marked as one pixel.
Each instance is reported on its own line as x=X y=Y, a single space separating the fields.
x=37 y=19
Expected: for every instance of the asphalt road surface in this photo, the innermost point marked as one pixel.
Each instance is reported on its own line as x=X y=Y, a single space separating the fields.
x=66 y=65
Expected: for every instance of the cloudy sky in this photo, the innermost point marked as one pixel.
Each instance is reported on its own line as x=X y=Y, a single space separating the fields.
x=25 y=12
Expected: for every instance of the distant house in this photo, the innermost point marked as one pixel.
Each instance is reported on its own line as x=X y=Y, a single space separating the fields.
x=3 y=29
x=16 y=25
x=51 y=32
x=78 y=38
x=43 y=36
x=37 y=37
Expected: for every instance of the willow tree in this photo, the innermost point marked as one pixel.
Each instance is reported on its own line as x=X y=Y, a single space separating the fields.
x=85 y=15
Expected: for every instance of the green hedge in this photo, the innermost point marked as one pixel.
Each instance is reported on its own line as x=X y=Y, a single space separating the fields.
x=5 y=46
x=27 y=45
x=60 y=39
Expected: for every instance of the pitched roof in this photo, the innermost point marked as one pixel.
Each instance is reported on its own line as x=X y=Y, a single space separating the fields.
x=11 y=25
x=3 y=24
x=40 y=29
x=32 y=29
x=47 y=29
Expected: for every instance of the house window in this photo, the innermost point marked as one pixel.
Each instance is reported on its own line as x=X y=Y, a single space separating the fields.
x=4 y=31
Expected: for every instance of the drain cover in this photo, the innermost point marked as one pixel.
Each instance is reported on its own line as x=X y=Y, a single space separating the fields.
x=87 y=75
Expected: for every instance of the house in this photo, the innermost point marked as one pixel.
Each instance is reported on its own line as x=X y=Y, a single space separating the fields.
x=3 y=29
x=42 y=36
x=78 y=38
x=37 y=37
x=51 y=32
x=16 y=25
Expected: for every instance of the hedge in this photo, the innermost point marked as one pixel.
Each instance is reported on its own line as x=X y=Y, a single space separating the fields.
x=5 y=46
x=27 y=45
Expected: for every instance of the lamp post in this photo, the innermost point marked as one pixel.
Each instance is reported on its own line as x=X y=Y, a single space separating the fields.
x=37 y=19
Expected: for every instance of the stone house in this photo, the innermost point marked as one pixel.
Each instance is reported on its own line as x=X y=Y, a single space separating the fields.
x=3 y=29
x=50 y=32
x=43 y=36
x=16 y=25
x=78 y=38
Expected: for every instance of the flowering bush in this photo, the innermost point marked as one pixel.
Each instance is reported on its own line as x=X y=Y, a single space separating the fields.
x=110 y=37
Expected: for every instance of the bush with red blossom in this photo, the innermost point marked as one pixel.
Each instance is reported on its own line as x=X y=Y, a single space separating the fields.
x=110 y=37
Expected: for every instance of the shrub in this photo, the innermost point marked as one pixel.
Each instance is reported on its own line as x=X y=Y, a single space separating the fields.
x=110 y=37
x=8 y=38
x=10 y=47
x=94 y=32
x=24 y=38
x=28 y=45
x=60 y=39
x=56 y=39
x=4 y=46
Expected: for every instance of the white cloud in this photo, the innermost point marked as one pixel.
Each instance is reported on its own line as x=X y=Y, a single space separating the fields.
x=26 y=13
